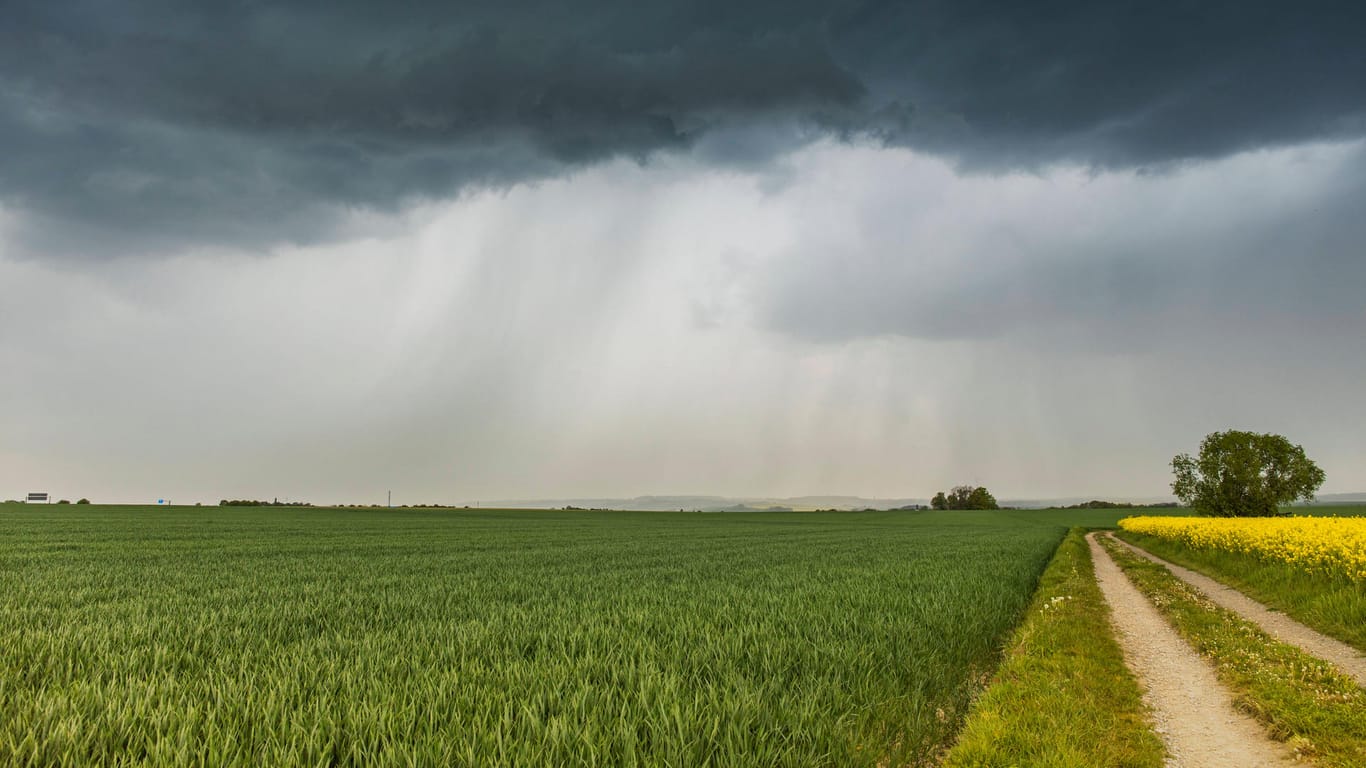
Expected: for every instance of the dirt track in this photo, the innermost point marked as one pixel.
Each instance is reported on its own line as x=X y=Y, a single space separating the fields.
x=1347 y=659
x=1193 y=712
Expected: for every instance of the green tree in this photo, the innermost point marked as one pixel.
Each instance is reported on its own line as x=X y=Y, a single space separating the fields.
x=981 y=498
x=1244 y=474
x=939 y=501
x=960 y=497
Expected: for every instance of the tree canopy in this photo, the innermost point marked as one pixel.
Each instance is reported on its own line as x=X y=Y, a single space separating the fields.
x=964 y=497
x=1244 y=474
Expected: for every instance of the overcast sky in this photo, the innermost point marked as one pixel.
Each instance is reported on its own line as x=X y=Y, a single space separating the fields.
x=553 y=250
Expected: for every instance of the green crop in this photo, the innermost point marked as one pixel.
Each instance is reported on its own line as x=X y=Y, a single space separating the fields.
x=288 y=637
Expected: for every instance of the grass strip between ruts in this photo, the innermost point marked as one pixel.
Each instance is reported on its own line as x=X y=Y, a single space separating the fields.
x=1301 y=700
x=1335 y=607
x=1062 y=696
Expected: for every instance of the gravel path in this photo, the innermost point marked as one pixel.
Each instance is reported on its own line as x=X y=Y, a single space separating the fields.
x=1194 y=713
x=1347 y=659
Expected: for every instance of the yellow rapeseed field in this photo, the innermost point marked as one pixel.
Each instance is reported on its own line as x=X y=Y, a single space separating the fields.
x=1334 y=546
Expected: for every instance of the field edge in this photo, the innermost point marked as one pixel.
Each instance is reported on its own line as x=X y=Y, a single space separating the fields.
x=1062 y=695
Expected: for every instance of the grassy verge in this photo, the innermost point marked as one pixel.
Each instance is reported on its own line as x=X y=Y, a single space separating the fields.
x=1062 y=696
x=1335 y=607
x=1300 y=699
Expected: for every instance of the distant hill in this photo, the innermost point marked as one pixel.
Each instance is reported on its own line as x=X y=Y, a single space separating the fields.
x=797 y=503
x=1358 y=497
x=707 y=503
x=1069 y=501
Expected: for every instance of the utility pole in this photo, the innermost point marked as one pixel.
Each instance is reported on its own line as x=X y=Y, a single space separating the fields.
x=391 y=499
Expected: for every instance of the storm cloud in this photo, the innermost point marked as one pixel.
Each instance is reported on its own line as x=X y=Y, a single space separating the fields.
x=150 y=127
x=1117 y=261
x=874 y=324
x=580 y=250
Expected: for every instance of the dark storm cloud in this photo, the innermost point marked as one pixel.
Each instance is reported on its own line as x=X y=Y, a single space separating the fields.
x=1121 y=83
x=146 y=125
x=1239 y=249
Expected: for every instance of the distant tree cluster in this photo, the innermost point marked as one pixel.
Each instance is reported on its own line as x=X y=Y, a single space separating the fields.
x=964 y=497
x=255 y=503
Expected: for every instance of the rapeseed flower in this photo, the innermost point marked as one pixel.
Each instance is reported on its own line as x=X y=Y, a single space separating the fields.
x=1332 y=546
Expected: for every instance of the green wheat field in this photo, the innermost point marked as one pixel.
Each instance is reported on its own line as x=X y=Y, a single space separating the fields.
x=217 y=636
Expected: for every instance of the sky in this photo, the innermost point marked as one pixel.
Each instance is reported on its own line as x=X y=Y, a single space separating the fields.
x=562 y=250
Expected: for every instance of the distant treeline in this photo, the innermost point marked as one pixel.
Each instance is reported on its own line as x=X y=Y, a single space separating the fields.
x=1096 y=504
x=278 y=503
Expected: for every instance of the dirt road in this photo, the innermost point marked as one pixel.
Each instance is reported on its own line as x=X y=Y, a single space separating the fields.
x=1193 y=711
